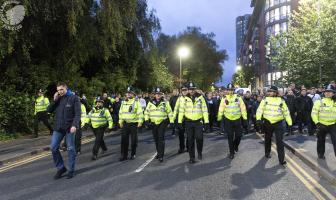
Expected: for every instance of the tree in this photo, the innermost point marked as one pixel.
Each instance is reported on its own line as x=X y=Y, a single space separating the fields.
x=204 y=65
x=309 y=44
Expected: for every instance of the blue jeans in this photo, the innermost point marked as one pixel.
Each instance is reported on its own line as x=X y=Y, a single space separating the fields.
x=56 y=140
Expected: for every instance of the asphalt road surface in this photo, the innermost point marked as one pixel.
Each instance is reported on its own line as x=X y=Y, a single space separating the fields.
x=248 y=176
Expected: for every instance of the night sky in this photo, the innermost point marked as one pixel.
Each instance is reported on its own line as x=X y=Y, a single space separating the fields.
x=217 y=16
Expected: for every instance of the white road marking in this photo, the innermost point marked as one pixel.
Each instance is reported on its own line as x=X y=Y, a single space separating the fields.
x=145 y=164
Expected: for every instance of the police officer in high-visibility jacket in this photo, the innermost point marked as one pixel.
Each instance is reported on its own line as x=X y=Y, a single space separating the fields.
x=130 y=119
x=159 y=113
x=100 y=119
x=193 y=110
x=270 y=114
x=324 y=116
x=41 y=105
x=181 y=129
x=232 y=108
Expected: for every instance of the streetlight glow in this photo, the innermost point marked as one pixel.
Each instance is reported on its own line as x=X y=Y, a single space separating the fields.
x=238 y=68
x=183 y=52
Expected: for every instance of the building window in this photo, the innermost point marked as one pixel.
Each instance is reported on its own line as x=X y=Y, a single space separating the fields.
x=288 y=10
x=283 y=1
x=283 y=27
x=276 y=29
x=276 y=2
x=267 y=17
x=283 y=12
x=271 y=16
x=271 y=3
x=267 y=4
x=277 y=14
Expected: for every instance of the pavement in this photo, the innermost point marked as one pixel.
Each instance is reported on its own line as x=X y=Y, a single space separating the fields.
x=304 y=147
x=248 y=176
x=14 y=150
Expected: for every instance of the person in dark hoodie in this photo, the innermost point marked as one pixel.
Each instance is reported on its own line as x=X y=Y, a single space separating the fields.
x=290 y=101
x=67 y=121
x=303 y=107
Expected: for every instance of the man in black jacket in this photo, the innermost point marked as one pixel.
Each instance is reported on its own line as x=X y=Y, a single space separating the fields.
x=290 y=101
x=172 y=102
x=67 y=117
x=303 y=107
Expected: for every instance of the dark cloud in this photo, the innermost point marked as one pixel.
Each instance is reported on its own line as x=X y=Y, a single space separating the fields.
x=217 y=16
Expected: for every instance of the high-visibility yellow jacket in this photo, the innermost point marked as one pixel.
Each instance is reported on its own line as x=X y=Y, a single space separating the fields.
x=130 y=111
x=177 y=107
x=157 y=114
x=232 y=107
x=324 y=112
x=100 y=117
x=193 y=110
x=84 y=118
x=274 y=109
x=41 y=104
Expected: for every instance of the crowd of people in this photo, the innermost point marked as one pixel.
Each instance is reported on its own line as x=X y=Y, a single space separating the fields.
x=189 y=112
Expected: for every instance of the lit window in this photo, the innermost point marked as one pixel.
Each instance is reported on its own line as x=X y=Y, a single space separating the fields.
x=271 y=3
x=283 y=12
x=276 y=2
x=277 y=14
x=267 y=4
x=271 y=15
x=288 y=10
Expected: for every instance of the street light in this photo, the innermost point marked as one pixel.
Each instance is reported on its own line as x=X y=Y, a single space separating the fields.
x=238 y=68
x=183 y=52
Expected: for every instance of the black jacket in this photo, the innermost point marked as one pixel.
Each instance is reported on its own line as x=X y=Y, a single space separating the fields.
x=68 y=112
x=290 y=102
x=303 y=104
x=172 y=101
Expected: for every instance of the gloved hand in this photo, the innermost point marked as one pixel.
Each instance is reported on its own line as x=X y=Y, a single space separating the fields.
x=171 y=125
x=319 y=125
x=206 y=127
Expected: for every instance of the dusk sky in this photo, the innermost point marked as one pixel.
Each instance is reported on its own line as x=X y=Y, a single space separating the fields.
x=217 y=16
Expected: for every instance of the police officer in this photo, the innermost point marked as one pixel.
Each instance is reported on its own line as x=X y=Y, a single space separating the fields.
x=232 y=107
x=130 y=119
x=100 y=119
x=324 y=116
x=84 y=120
x=181 y=129
x=193 y=110
x=273 y=110
x=157 y=112
x=41 y=105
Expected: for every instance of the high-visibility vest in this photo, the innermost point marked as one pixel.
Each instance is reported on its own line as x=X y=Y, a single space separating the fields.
x=324 y=111
x=232 y=107
x=84 y=118
x=41 y=104
x=274 y=109
x=157 y=114
x=130 y=111
x=100 y=117
x=196 y=110
x=177 y=106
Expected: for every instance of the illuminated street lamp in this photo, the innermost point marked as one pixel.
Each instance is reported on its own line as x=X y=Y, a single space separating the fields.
x=238 y=68
x=183 y=52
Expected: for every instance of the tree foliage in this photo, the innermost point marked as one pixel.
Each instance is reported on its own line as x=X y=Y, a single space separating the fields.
x=203 y=66
x=309 y=44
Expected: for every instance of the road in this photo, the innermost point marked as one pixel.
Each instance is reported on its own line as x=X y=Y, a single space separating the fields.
x=248 y=176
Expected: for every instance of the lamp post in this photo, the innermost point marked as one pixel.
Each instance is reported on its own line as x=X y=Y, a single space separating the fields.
x=183 y=52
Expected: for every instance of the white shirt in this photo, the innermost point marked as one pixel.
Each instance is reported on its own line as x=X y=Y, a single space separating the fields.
x=314 y=97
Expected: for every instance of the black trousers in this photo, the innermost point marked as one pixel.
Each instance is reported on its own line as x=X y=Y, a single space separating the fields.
x=322 y=132
x=159 y=137
x=129 y=129
x=276 y=128
x=183 y=143
x=41 y=116
x=234 y=133
x=194 y=131
x=78 y=139
x=304 y=119
x=99 y=141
